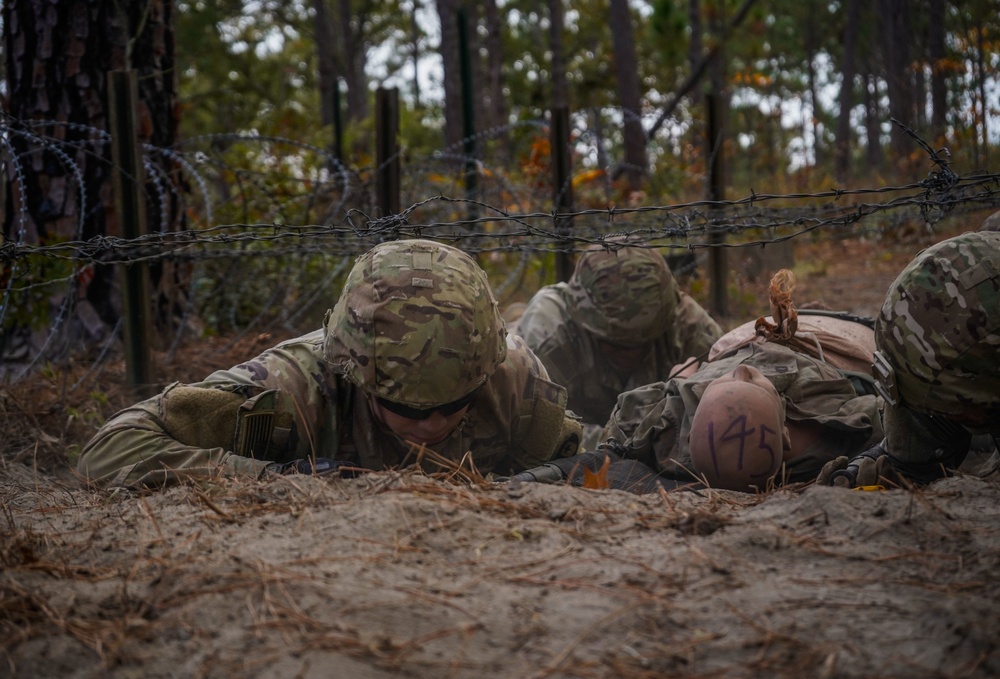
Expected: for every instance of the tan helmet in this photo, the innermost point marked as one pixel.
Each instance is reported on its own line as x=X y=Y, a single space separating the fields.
x=625 y=295
x=416 y=324
x=738 y=433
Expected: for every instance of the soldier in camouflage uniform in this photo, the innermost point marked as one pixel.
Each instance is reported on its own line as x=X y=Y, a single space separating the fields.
x=991 y=223
x=619 y=323
x=413 y=356
x=817 y=412
x=937 y=364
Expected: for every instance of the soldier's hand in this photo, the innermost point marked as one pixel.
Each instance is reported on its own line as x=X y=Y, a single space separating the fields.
x=865 y=469
x=825 y=477
x=317 y=466
x=547 y=473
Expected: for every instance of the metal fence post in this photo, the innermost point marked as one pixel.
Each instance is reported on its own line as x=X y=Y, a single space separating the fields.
x=387 y=187
x=562 y=183
x=714 y=149
x=131 y=208
x=468 y=115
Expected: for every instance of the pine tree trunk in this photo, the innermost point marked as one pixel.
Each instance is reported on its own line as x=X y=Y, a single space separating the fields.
x=936 y=53
x=848 y=71
x=634 y=157
x=58 y=57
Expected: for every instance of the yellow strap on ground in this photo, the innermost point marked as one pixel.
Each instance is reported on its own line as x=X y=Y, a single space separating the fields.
x=868 y=488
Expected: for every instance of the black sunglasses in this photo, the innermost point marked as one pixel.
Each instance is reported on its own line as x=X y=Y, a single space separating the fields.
x=412 y=413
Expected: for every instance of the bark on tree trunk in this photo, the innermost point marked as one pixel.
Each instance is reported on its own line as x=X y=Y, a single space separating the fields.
x=634 y=157
x=58 y=56
x=873 y=118
x=848 y=71
x=894 y=20
x=936 y=53
x=984 y=132
x=326 y=60
x=352 y=58
x=448 y=15
x=496 y=109
x=415 y=34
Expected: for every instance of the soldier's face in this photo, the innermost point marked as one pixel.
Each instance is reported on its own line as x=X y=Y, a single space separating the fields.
x=425 y=432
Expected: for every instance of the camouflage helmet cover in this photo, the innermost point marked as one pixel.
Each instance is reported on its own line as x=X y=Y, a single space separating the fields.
x=939 y=331
x=625 y=295
x=416 y=324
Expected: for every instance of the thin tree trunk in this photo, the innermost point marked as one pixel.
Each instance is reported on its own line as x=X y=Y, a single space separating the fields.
x=634 y=158
x=814 y=118
x=696 y=50
x=58 y=57
x=415 y=44
x=326 y=59
x=353 y=57
x=843 y=149
x=448 y=16
x=984 y=132
x=560 y=90
x=873 y=119
x=496 y=108
x=894 y=20
x=936 y=53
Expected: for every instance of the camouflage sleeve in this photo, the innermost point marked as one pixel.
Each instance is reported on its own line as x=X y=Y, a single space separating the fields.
x=919 y=441
x=556 y=340
x=185 y=431
x=544 y=314
x=697 y=330
x=646 y=422
x=190 y=430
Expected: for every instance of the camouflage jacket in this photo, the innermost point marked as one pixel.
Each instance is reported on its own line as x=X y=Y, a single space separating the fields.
x=653 y=422
x=573 y=358
x=518 y=420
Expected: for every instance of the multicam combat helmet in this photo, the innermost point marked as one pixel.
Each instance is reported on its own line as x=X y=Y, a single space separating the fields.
x=938 y=333
x=625 y=295
x=416 y=324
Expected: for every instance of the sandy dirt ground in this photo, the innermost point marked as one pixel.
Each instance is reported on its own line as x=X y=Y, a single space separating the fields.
x=394 y=575
x=403 y=575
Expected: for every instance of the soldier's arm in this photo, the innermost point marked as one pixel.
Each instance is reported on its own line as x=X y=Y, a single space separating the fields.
x=645 y=424
x=222 y=426
x=183 y=432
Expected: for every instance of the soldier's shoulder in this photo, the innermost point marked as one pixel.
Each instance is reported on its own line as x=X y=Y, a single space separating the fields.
x=524 y=376
x=550 y=302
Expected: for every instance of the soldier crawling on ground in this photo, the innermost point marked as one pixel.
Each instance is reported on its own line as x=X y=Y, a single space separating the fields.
x=413 y=357
x=620 y=322
x=937 y=365
x=773 y=403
